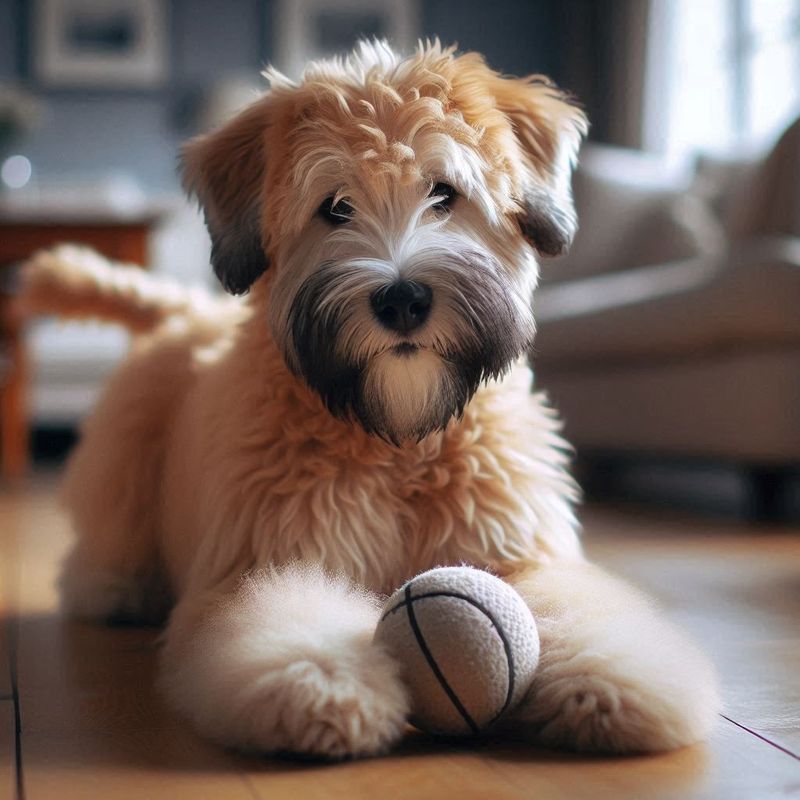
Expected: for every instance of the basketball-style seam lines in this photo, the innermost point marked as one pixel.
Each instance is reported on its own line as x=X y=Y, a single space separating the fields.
x=412 y=620
x=408 y=603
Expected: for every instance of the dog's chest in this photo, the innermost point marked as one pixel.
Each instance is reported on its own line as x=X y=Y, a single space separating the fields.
x=382 y=514
x=287 y=481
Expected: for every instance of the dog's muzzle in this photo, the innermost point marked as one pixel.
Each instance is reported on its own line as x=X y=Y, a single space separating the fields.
x=442 y=334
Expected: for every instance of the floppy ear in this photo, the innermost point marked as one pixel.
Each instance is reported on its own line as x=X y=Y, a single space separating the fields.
x=225 y=170
x=549 y=129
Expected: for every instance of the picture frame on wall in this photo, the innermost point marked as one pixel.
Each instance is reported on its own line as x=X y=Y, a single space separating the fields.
x=100 y=44
x=308 y=29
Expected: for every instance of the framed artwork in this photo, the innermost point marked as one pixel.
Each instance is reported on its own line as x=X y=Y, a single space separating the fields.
x=308 y=29
x=110 y=44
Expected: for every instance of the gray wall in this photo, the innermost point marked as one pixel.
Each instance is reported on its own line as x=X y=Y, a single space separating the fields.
x=87 y=134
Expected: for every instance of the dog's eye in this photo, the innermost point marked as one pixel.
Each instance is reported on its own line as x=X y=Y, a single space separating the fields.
x=446 y=195
x=336 y=213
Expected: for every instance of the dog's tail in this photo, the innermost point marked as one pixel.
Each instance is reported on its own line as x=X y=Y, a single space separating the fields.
x=75 y=282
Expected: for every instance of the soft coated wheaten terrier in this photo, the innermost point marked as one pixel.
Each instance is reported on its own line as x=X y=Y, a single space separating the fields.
x=261 y=470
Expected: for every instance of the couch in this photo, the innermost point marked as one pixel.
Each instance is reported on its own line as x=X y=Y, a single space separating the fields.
x=673 y=327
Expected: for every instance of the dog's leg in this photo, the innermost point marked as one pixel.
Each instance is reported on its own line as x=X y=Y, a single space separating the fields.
x=614 y=675
x=112 y=490
x=285 y=662
x=111 y=494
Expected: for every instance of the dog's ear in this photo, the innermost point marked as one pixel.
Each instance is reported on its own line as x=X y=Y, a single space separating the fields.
x=548 y=127
x=226 y=171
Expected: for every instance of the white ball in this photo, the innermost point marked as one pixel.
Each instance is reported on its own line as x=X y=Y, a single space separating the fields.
x=468 y=646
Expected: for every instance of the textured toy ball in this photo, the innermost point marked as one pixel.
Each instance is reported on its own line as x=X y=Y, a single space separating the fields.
x=468 y=646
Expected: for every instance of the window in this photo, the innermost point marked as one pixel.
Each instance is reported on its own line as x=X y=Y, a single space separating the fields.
x=730 y=72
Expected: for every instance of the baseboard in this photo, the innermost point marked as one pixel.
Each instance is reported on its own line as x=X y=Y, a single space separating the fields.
x=731 y=491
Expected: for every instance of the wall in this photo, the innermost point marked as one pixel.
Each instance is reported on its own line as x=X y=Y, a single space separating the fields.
x=516 y=36
x=88 y=134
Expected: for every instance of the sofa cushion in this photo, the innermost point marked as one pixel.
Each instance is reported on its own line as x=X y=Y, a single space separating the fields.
x=739 y=405
x=722 y=182
x=747 y=298
x=767 y=202
x=628 y=223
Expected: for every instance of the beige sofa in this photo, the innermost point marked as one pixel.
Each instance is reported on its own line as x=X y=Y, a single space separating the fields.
x=685 y=341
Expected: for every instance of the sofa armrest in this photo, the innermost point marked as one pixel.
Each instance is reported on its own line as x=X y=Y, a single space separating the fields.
x=748 y=296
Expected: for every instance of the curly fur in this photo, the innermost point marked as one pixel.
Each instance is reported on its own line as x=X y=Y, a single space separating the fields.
x=220 y=450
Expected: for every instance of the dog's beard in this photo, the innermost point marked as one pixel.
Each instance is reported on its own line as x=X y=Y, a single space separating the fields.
x=404 y=388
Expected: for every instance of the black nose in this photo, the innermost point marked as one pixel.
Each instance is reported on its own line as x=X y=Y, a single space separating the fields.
x=402 y=306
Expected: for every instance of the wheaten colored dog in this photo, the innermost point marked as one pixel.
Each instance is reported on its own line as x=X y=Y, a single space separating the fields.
x=260 y=470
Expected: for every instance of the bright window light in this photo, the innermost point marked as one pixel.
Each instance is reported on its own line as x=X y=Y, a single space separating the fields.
x=734 y=73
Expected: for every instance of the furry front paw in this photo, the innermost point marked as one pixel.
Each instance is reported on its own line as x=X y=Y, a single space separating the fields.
x=622 y=703
x=286 y=664
x=314 y=705
x=328 y=712
x=614 y=674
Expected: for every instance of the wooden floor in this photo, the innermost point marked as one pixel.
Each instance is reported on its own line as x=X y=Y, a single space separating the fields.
x=79 y=717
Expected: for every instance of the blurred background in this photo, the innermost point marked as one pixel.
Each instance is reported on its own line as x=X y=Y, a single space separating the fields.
x=669 y=337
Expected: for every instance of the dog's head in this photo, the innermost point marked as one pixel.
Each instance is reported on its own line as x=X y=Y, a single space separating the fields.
x=396 y=207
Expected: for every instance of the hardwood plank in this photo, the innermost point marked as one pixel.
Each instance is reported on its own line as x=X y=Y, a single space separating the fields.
x=761 y=685
x=82 y=780
x=55 y=768
x=94 y=725
x=9 y=580
x=8 y=775
x=8 y=586
x=43 y=539
x=119 y=743
x=5 y=652
x=732 y=765
x=421 y=768
x=744 y=767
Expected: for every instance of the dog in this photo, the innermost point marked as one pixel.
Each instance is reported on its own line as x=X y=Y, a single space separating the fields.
x=260 y=471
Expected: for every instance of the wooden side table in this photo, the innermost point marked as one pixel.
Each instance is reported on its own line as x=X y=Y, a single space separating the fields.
x=22 y=233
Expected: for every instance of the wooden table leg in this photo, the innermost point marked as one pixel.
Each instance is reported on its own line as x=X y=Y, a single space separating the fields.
x=14 y=456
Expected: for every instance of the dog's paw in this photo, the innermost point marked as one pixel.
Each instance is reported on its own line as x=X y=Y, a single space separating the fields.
x=329 y=713
x=621 y=704
x=286 y=664
x=593 y=716
x=614 y=674
x=315 y=705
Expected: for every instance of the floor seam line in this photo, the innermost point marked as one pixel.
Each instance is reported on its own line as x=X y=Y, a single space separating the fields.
x=251 y=787
x=12 y=633
x=763 y=738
